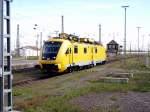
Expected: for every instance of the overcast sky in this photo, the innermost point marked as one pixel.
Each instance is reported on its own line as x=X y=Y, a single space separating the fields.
x=82 y=18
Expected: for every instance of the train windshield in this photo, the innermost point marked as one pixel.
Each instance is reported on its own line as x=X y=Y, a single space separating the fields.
x=50 y=50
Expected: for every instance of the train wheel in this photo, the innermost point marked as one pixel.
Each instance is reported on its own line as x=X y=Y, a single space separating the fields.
x=89 y=66
x=103 y=62
x=80 y=67
x=43 y=71
x=77 y=68
x=92 y=65
x=70 y=69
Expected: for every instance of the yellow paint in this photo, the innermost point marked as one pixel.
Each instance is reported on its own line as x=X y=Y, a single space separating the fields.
x=63 y=60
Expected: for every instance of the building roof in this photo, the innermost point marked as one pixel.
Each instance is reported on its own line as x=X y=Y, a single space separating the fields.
x=113 y=42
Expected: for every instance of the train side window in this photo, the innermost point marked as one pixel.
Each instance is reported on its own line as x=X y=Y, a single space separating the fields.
x=67 y=52
x=70 y=50
x=75 y=49
x=95 y=49
x=85 y=50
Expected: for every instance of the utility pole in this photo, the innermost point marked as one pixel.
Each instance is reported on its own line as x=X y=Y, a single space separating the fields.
x=138 y=29
x=147 y=57
x=56 y=32
x=125 y=8
x=143 y=43
x=41 y=38
x=100 y=33
x=130 y=48
x=37 y=44
x=37 y=36
x=62 y=22
x=5 y=67
x=18 y=41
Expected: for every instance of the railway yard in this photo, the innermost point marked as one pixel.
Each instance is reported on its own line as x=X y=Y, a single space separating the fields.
x=90 y=60
x=84 y=91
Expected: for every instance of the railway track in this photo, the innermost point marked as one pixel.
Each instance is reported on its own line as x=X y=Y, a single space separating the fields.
x=32 y=80
x=27 y=69
x=24 y=82
x=119 y=58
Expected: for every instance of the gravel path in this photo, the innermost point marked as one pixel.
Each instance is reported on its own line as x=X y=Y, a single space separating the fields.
x=108 y=101
x=135 y=102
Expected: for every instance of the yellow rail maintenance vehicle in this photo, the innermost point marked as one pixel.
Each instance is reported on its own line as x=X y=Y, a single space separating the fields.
x=68 y=53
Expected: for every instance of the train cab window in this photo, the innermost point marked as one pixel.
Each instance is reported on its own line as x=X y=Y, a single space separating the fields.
x=95 y=49
x=85 y=50
x=75 y=49
x=70 y=50
x=50 y=49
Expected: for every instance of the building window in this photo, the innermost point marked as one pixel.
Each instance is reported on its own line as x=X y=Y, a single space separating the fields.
x=114 y=46
x=109 y=46
x=85 y=50
x=75 y=49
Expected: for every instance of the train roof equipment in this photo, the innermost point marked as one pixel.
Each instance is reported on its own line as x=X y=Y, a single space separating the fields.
x=74 y=38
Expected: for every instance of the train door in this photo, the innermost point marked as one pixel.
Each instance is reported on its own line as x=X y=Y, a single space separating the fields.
x=92 y=54
x=69 y=58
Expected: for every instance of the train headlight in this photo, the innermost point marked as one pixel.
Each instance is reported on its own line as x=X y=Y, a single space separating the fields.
x=59 y=66
x=43 y=57
x=54 y=58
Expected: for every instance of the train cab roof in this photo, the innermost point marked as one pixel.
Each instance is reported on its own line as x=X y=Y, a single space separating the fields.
x=72 y=38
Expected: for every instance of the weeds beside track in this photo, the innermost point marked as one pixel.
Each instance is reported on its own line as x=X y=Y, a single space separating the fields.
x=40 y=76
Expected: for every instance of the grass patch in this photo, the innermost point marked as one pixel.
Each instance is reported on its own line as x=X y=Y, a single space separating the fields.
x=111 y=109
x=52 y=103
x=54 y=95
x=17 y=93
x=48 y=103
x=28 y=57
x=32 y=57
x=136 y=64
x=142 y=82
x=113 y=98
